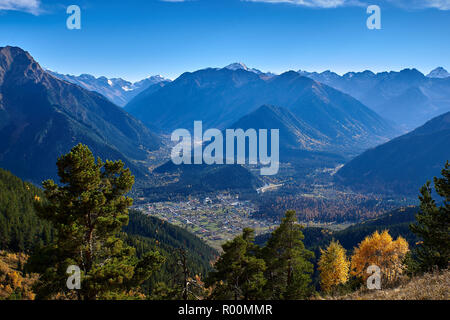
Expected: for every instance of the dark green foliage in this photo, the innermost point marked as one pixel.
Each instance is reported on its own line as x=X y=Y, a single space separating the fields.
x=88 y=211
x=433 y=225
x=149 y=233
x=288 y=262
x=239 y=272
x=20 y=229
x=18 y=222
x=280 y=270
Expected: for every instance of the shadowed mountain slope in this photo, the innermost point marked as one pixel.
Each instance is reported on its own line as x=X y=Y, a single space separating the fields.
x=42 y=117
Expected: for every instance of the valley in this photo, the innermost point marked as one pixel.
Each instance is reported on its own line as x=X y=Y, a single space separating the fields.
x=343 y=171
x=216 y=216
x=215 y=220
x=219 y=219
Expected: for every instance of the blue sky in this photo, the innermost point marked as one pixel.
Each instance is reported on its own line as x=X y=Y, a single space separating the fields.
x=134 y=39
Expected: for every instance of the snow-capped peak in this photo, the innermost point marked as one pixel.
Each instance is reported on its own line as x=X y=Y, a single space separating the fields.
x=439 y=72
x=240 y=66
x=237 y=66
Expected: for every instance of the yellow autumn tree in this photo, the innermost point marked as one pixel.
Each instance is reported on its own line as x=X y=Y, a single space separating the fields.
x=334 y=266
x=13 y=283
x=381 y=250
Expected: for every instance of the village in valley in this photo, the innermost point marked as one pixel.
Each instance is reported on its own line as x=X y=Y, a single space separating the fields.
x=215 y=219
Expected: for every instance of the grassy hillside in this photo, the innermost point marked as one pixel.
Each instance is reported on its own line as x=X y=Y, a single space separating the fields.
x=430 y=286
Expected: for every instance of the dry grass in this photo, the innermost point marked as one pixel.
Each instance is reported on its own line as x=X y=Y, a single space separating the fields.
x=431 y=286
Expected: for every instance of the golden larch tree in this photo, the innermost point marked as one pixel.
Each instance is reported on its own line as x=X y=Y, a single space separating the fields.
x=381 y=250
x=334 y=266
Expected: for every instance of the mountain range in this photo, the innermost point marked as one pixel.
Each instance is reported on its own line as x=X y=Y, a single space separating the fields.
x=403 y=164
x=220 y=97
x=408 y=98
x=120 y=91
x=117 y=90
x=42 y=117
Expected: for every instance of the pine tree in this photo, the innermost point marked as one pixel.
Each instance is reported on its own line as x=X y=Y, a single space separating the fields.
x=239 y=272
x=334 y=266
x=433 y=225
x=88 y=211
x=288 y=266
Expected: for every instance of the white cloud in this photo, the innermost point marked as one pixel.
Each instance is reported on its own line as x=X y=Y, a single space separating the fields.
x=421 y=4
x=30 y=6
x=315 y=3
x=406 y=4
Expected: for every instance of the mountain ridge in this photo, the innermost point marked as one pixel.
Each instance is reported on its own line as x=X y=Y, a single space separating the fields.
x=387 y=93
x=403 y=164
x=220 y=97
x=438 y=72
x=43 y=117
x=117 y=90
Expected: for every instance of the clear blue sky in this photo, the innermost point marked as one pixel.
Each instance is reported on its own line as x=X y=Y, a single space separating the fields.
x=134 y=39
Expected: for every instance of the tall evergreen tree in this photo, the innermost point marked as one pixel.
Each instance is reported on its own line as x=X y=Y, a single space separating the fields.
x=288 y=266
x=239 y=272
x=433 y=225
x=88 y=211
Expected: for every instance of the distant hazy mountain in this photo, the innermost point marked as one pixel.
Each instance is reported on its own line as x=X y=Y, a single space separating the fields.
x=220 y=97
x=117 y=90
x=408 y=97
x=404 y=164
x=302 y=146
x=439 y=72
x=42 y=117
x=294 y=133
